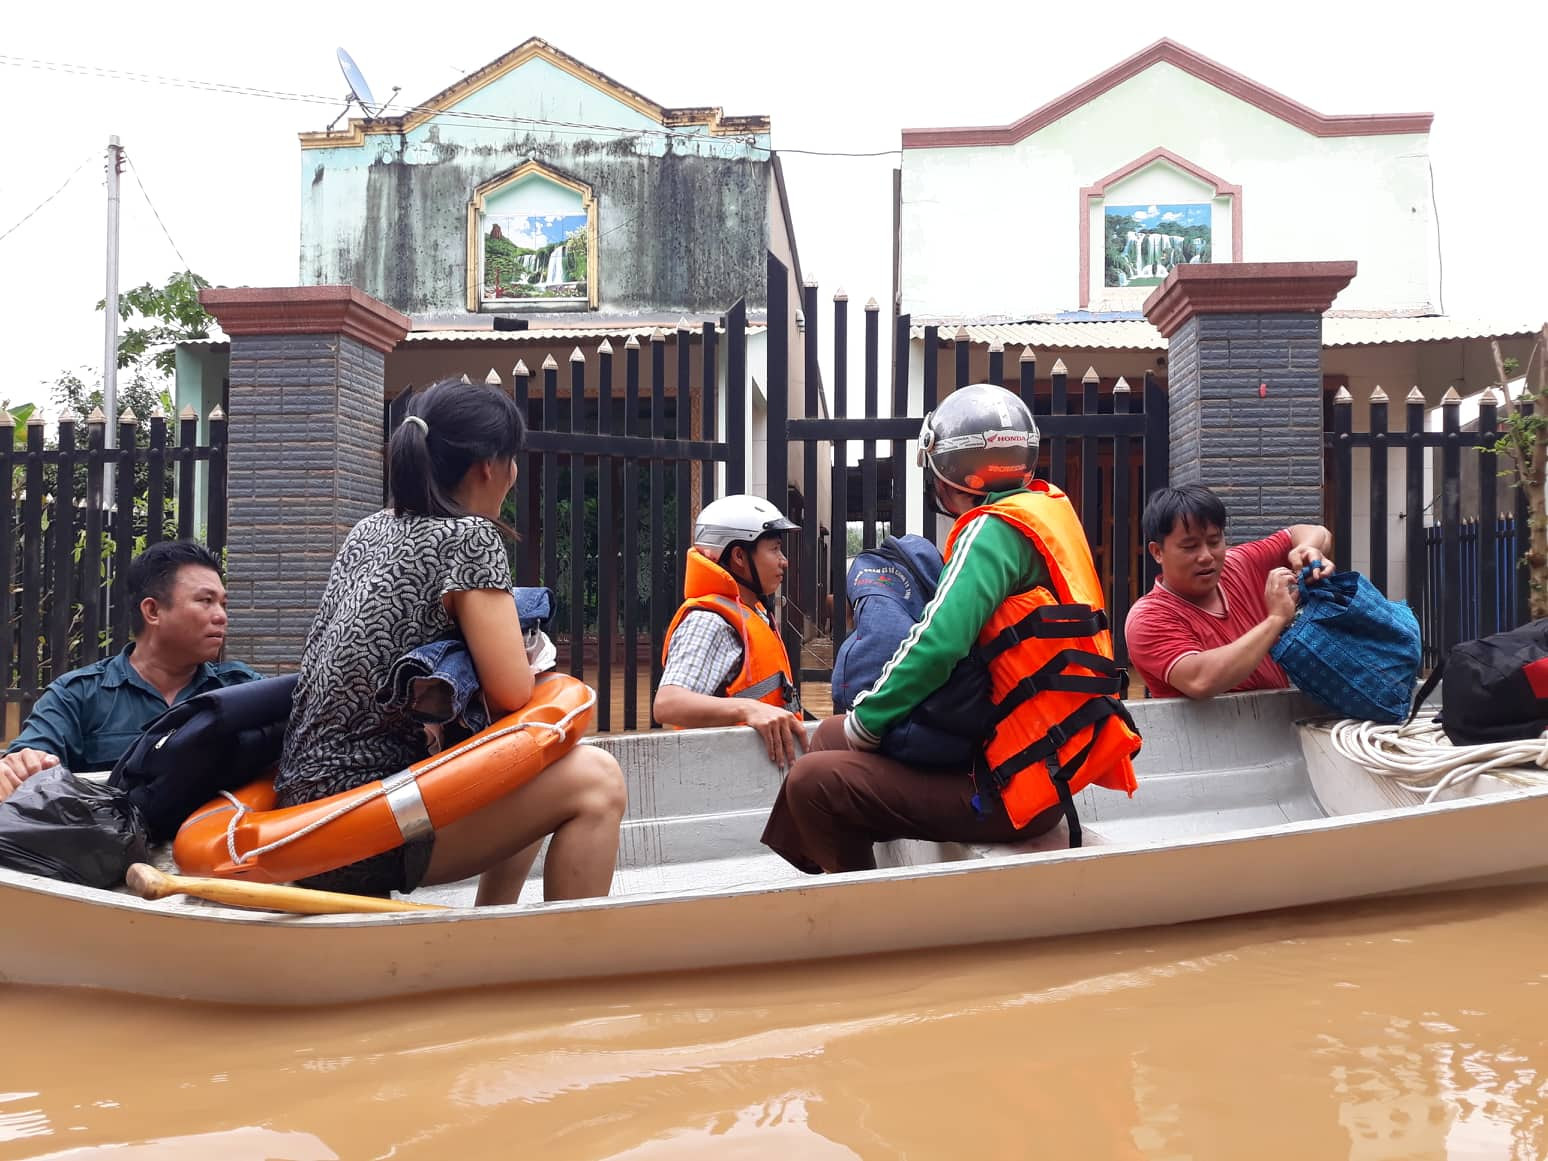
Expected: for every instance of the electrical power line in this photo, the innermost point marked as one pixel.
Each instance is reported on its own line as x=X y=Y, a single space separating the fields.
x=157 y=214
x=48 y=199
x=403 y=110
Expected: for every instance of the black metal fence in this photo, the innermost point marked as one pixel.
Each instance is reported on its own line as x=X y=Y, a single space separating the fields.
x=1464 y=578
x=615 y=469
x=1507 y=593
x=1107 y=450
x=64 y=554
x=605 y=492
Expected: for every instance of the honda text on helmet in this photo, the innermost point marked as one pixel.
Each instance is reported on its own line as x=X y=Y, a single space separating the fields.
x=738 y=520
x=981 y=439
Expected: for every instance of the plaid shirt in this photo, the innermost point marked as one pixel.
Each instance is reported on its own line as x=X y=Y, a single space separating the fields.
x=704 y=654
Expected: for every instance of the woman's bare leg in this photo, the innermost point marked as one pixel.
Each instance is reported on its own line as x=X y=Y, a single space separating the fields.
x=502 y=883
x=579 y=800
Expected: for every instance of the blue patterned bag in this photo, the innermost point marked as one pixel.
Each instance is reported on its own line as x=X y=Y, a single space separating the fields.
x=1351 y=648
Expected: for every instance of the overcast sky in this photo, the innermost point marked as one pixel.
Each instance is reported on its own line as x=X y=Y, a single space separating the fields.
x=222 y=169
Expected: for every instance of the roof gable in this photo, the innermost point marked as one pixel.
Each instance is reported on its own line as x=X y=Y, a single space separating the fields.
x=710 y=118
x=1211 y=72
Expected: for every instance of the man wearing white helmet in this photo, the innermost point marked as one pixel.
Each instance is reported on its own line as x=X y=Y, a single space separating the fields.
x=1021 y=600
x=724 y=663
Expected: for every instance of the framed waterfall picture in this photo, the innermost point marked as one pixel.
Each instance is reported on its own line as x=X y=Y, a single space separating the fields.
x=535 y=256
x=532 y=242
x=1142 y=244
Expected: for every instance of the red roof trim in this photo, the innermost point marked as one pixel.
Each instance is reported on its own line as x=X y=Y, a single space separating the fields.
x=306 y=310
x=1245 y=288
x=1208 y=71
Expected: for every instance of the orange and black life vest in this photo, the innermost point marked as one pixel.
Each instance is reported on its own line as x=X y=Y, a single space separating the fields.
x=1059 y=722
x=765 y=674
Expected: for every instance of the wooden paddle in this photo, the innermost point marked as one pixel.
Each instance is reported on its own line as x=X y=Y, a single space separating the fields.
x=149 y=883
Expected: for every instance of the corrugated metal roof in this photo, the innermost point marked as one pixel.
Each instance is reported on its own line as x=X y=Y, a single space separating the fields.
x=617 y=334
x=554 y=335
x=1062 y=336
x=1364 y=332
x=1109 y=335
x=1136 y=334
x=215 y=338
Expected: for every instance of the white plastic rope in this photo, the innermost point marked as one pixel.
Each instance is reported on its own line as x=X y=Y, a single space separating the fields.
x=1419 y=756
x=561 y=727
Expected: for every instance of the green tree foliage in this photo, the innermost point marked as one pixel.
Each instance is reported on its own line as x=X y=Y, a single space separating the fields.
x=575 y=255
x=1523 y=442
x=76 y=399
x=160 y=317
x=20 y=414
x=165 y=315
x=157 y=318
x=500 y=257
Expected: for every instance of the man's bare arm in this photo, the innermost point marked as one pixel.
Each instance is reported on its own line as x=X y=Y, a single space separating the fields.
x=781 y=730
x=676 y=706
x=1215 y=671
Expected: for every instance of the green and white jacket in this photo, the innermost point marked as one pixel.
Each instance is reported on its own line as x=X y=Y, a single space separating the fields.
x=991 y=561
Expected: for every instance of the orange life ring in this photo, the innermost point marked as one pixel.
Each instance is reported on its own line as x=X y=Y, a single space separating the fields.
x=243 y=836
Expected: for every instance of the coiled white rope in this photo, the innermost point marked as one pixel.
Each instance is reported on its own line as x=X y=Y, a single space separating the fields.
x=560 y=727
x=1419 y=757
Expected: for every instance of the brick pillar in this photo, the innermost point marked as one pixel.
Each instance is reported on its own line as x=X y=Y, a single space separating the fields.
x=1244 y=376
x=305 y=450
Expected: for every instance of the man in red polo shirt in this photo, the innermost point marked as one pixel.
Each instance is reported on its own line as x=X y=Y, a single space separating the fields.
x=1208 y=624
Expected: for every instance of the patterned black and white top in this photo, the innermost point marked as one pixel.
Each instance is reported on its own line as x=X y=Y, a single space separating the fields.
x=383 y=600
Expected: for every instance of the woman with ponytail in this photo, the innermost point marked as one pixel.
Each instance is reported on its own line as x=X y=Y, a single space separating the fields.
x=431 y=563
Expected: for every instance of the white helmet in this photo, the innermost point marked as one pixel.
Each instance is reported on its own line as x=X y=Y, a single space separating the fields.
x=733 y=519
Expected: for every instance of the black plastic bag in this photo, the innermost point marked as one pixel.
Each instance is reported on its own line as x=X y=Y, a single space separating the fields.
x=64 y=827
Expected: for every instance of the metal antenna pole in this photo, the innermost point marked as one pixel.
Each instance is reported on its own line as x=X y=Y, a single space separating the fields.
x=115 y=165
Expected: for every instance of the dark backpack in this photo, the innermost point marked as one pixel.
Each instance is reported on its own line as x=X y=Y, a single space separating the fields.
x=1496 y=688
x=888 y=588
x=216 y=741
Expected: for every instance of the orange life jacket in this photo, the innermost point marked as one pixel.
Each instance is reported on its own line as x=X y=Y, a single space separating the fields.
x=765 y=674
x=1060 y=722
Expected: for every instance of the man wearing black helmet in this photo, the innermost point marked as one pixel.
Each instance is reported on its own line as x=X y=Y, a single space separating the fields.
x=1019 y=594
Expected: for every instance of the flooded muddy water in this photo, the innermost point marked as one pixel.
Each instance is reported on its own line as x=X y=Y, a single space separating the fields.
x=1409 y=1029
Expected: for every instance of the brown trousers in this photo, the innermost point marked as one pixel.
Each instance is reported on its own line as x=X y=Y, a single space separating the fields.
x=836 y=803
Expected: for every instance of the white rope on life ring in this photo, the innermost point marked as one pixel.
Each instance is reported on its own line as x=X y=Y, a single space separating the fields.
x=560 y=727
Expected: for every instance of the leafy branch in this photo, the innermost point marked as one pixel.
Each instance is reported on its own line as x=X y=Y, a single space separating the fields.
x=1523 y=444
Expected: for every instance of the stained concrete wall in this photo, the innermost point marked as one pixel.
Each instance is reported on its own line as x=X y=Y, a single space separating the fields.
x=683 y=221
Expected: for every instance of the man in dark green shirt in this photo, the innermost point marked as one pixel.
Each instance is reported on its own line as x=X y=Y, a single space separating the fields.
x=87 y=718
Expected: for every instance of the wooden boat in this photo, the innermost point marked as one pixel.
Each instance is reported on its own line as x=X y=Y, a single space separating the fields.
x=1230 y=818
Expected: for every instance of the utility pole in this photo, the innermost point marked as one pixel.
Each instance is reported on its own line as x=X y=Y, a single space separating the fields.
x=115 y=166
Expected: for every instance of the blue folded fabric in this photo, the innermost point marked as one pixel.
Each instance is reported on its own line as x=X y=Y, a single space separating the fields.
x=437 y=684
x=535 y=607
x=1351 y=648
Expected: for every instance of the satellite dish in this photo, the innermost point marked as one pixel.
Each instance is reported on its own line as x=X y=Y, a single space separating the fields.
x=358 y=89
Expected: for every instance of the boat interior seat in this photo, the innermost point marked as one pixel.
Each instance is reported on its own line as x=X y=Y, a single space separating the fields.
x=1057 y=839
x=922 y=852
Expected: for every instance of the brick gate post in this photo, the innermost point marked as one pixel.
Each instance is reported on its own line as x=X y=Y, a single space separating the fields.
x=1244 y=369
x=305 y=450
